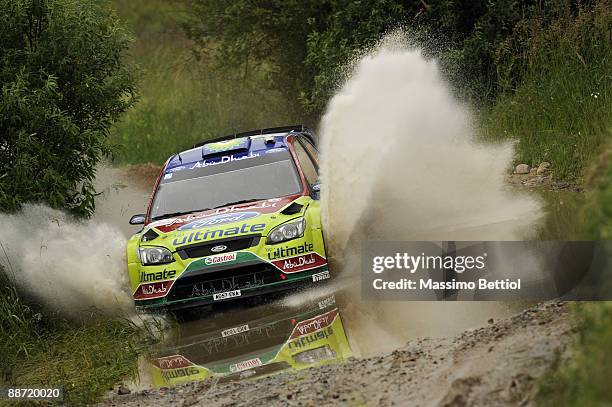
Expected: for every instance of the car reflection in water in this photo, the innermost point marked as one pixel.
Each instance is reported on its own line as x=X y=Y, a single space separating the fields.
x=251 y=342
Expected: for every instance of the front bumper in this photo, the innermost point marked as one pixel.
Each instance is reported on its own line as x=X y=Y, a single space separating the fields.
x=254 y=279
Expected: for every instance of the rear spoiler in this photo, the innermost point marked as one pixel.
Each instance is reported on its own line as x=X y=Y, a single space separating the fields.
x=300 y=128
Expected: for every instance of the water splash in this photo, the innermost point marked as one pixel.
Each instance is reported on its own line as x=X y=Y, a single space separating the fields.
x=400 y=160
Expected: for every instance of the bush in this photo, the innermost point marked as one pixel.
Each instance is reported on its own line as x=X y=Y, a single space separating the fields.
x=307 y=42
x=63 y=84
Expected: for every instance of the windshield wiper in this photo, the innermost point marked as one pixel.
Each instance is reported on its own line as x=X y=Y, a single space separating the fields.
x=169 y=215
x=243 y=201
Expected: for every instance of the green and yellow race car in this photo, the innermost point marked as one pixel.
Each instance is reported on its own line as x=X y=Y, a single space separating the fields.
x=256 y=342
x=228 y=219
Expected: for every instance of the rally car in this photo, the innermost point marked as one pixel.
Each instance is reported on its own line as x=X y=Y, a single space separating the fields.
x=256 y=342
x=235 y=217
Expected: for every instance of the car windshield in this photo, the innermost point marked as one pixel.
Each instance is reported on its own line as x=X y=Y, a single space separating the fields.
x=212 y=185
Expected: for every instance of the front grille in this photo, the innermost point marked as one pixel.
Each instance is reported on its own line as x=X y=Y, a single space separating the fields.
x=210 y=283
x=205 y=249
x=233 y=346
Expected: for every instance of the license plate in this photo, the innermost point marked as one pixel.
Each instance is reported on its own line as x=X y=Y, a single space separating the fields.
x=234 y=331
x=324 y=275
x=226 y=295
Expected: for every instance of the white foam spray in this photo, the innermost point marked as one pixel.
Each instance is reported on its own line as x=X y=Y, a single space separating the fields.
x=400 y=162
x=400 y=159
x=74 y=267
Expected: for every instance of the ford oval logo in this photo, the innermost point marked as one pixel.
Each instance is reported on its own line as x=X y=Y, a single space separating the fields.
x=218 y=248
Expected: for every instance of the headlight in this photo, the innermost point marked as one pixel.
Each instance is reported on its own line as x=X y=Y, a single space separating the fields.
x=287 y=231
x=155 y=255
x=315 y=355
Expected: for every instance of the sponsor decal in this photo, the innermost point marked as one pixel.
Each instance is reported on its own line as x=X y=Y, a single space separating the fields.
x=149 y=291
x=324 y=275
x=226 y=145
x=156 y=276
x=220 y=258
x=224 y=285
x=265 y=206
x=179 y=168
x=218 y=248
x=168 y=176
x=227 y=294
x=171 y=362
x=270 y=203
x=247 y=364
x=219 y=220
x=218 y=233
x=281 y=252
x=275 y=150
x=223 y=160
x=327 y=302
x=314 y=324
x=301 y=263
x=235 y=330
x=309 y=339
x=179 y=373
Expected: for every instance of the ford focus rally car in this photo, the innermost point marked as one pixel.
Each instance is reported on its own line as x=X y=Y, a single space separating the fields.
x=261 y=341
x=231 y=218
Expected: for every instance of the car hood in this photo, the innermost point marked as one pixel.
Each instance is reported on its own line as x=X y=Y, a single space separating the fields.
x=264 y=212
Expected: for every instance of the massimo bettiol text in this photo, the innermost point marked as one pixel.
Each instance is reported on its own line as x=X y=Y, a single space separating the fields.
x=529 y=270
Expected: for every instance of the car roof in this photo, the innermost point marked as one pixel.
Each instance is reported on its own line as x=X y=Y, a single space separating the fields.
x=250 y=145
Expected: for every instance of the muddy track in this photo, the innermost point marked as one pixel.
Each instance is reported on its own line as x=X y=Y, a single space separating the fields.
x=497 y=364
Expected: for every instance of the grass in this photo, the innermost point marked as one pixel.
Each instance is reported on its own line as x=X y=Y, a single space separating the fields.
x=184 y=100
x=599 y=204
x=584 y=378
x=562 y=110
x=42 y=349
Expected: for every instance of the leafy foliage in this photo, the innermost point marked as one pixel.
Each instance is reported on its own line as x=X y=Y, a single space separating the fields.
x=308 y=41
x=63 y=84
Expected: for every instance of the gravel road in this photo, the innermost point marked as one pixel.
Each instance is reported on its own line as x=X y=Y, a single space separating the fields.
x=497 y=364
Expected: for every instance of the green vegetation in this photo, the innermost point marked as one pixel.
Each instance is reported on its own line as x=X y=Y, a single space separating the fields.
x=306 y=42
x=84 y=358
x=185 y=99
x=599 y=204
x=584 y=379
x=540 y=71
x=561 y=112
x=63 y=83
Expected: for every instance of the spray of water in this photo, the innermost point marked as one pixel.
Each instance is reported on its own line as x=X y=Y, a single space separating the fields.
x=74 y=267
x=70 y=266
x=400 y=162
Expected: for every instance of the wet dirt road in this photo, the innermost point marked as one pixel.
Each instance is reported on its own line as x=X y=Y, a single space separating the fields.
x=496 y=364
x=327 y=347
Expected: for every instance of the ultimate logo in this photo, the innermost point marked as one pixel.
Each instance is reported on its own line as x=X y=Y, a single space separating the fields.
x=283 y=252
x=157 y=276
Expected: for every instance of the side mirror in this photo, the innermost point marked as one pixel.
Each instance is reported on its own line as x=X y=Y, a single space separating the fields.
x=137 y=220
x=316 y=190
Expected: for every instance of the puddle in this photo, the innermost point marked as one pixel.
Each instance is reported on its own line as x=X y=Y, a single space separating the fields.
x=300 y=331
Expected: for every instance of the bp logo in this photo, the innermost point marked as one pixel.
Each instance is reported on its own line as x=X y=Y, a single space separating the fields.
x=219 y=220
